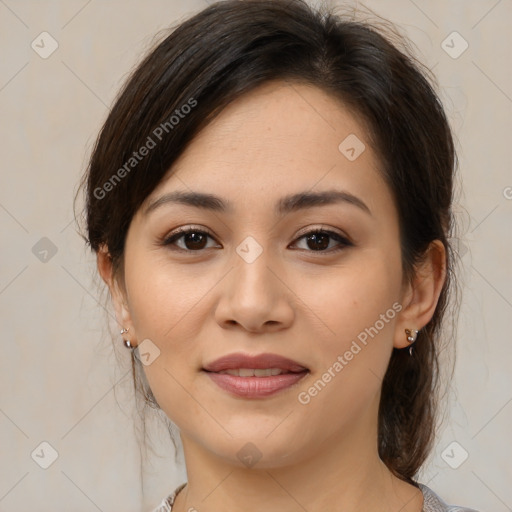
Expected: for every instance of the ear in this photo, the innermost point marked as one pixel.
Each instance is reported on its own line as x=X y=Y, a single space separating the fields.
x=420 y=297
x=117 y=294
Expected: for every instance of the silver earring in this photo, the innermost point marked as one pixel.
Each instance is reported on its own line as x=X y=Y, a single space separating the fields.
x=127 y=343
x=411 y=338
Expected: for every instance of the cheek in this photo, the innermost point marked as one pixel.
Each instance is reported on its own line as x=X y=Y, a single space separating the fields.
x=352 y=298
x=162 y=296
x=359 y=309
x=163 y=301
x=354 y=351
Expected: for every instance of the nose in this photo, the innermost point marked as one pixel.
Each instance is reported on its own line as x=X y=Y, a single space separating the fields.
x=255 y=297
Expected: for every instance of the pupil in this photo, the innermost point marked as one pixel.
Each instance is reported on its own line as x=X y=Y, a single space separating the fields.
x=314 y=238
x=195 y=239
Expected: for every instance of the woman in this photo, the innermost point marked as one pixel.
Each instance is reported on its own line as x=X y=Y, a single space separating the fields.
x=270 y=204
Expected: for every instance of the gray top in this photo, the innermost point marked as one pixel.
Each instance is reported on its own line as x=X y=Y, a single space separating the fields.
x=431 y=502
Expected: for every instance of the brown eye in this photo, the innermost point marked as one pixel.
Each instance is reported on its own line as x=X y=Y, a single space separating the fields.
x=319 y=241
x=193 y=239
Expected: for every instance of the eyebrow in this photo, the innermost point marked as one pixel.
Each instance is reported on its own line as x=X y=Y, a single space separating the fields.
x=287 y=204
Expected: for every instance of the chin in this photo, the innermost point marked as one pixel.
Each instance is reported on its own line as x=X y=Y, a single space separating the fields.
x=259 y=450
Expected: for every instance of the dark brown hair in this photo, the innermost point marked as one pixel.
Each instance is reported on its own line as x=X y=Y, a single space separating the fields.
x=232 y=47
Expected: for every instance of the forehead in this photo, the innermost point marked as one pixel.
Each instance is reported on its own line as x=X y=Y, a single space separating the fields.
x=281 y=136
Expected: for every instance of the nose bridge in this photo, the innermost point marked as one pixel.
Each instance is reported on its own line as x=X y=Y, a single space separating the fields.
x=251 y=275
x=254 y=297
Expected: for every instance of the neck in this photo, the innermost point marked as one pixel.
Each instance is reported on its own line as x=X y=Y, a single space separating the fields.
x=340 y=473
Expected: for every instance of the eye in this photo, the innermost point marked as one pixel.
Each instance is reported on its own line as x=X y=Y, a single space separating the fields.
x=194 y=239
x=318 y=240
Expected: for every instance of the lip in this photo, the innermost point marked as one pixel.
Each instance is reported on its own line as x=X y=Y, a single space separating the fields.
x=239 y=360
x=255 y=387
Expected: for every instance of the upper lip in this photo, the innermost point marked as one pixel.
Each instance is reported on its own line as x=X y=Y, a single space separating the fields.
x=261 y=361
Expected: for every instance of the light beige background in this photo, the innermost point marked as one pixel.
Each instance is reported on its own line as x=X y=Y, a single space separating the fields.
x=60 y=381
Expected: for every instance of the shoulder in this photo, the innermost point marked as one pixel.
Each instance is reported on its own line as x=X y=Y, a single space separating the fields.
x=433 y=503
x=167 y=503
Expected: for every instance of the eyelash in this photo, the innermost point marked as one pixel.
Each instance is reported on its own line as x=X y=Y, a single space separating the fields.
x=179 y=233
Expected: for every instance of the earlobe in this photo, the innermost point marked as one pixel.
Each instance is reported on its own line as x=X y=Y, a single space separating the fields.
x=422 y=294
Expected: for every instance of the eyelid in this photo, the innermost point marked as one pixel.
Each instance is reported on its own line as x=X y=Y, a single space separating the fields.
x=187 y=228
x=323 y=229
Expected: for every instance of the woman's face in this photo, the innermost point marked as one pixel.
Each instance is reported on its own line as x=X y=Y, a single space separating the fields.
x=252 y=283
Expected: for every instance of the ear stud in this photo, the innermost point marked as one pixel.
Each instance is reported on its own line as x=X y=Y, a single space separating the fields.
x=127 y=343
x=411 y=334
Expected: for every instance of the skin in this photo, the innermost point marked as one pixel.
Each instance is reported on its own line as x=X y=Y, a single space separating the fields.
x=307 y=305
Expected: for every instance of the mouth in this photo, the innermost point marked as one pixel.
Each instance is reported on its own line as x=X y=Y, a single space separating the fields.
x=255 y=376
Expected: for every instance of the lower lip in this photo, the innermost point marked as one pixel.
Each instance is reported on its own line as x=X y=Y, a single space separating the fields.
x=255 y=387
